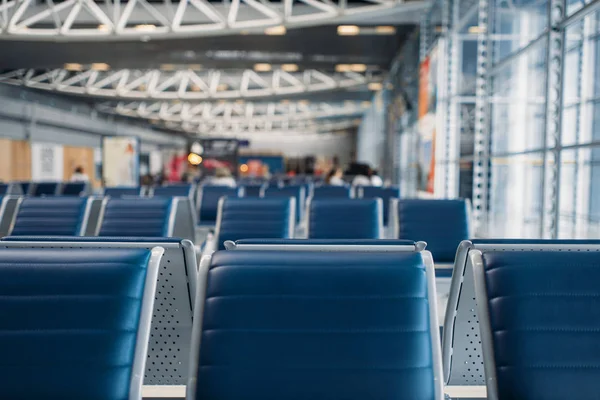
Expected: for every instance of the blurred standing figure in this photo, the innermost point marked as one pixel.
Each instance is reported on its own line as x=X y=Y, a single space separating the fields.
x=334 y=177
x=362 y=177
x=222 y=178
x=79 y=175
x=375 y=178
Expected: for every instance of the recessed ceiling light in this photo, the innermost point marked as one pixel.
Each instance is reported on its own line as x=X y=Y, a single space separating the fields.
x=358 y=67
x=195 y=67
x=262 y=67
x=285 y=101
x=476 y=29
x=103 y=27
x=100 y=67
x=342 y=68
x=385 y=30
x=221 y=87
x=276 y=30
x=167 y=67
x=290 y=67
x=348 y=30
x=73 y=67
x=375 y=86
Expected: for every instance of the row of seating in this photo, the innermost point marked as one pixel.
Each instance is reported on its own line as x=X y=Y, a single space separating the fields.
x=45 y=188
x=303 y=319
x=97 y=216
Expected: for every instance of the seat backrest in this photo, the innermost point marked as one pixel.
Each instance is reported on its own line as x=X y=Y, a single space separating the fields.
x=316 y=325
x=385 y=194
x=4 y=188
x=186 y=190
x=297 y=192
x=25 y=187
x=539 y=313
x=140 y=216
x=345 y=219
x=461 y=355
x=54 y=216
x=74 y=188
x=252 y=190
x=46 y=188
x=332 y=191
x=208 y=201
x=176 y=285
x=75 y=324
x=326 y=244
x=443 y=224
x=120 y=191
x=254 y=218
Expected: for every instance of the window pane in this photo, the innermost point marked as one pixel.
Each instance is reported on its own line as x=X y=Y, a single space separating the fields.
x=516 y=196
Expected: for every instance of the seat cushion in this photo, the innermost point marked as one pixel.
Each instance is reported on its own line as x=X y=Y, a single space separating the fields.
x=344 y=219
x=55 y=216
x=443 y=224
x=544 y=311
x=69 y=322
x=297 y=192
x=209 y=202
x=316 y=325
x=137 y=217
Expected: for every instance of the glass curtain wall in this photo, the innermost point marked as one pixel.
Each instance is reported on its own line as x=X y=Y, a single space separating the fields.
x=520 y=114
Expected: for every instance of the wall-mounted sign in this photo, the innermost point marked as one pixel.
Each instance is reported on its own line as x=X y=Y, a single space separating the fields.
x=120 y=161
x=47 y=162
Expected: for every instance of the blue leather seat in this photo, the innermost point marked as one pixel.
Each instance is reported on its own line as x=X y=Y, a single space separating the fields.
x=71 y=322
x=315 y=325
x=385 y=194
x=297 y=192
x=45 y=188
x=539 y=314
x=174 y=190
x=25 y=187
x=137 y=217
x=249 y=218
x=54 y=216
x=251 y=190
x=331 y=191
x=332 y=242
x=120 y=191
x=74 y=188
x=4 y=188
x=345 y=219
x=208 y=200
x=443 y=224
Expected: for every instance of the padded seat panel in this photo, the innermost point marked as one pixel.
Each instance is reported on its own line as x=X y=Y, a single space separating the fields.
x=137 y=217
x=344 y=219
x=54 y=216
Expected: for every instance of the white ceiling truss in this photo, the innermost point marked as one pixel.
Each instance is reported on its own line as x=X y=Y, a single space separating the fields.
x=242 y=129
x=146 y=19
x=234 y=112
x=185 y=84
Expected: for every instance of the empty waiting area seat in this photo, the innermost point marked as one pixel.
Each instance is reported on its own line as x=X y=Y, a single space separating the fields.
x=75 y=324
x=75 y=189
x=251 y=190
x=443 y=224
x=183 y=190
x=318 y=325
x=120 y=191
x=332 y=191
x=253 y=218
x=539 y=315
x=208 y=202
x=143 y=217
x=54 y=216
x=297 y=192
x=385 y=194
x=46 y=188
x=345 y=219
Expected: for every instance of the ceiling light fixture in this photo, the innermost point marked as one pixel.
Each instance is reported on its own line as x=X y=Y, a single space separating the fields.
x=221 y=87
x=343 y=68
x=289 y=67
x=262 y=67
x=476 y=29
x=103 y=27
x=358 y=67
x=348 y=30
x=278 y=30
x=375 y=86
x=195 y=67
x=100 y=67
x=145 y=27
x=385 y=30
x=73 y=67
x=167 y=67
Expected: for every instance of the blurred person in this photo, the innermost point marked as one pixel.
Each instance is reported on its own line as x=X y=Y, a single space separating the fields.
x=362 y=176
x=79 y=175
x=222 y=178
x=376 y=179
x=334 y=178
